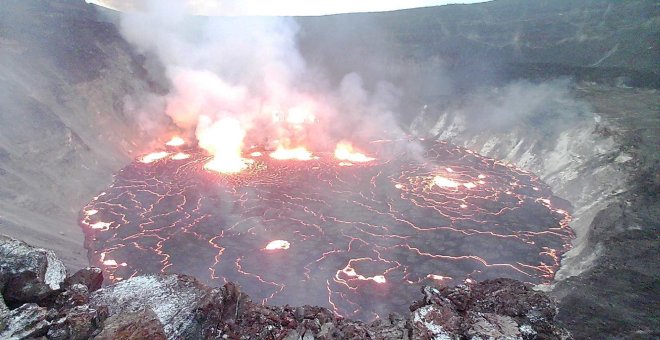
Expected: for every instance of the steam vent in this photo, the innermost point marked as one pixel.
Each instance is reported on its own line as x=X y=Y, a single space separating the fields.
x=243 y=170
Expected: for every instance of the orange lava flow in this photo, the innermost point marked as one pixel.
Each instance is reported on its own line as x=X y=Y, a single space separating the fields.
x=444 y=182
x=351 y=273
x=154 y=156
x=224 y=140
x=359 y=238
x=298 y=153
x=345 y=152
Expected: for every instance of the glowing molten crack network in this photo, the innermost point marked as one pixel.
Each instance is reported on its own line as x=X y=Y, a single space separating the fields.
x=359 y=239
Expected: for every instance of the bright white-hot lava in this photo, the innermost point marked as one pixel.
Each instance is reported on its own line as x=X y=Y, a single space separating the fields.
x=299 y=115
x=345 y=152
x=180 y=156
x=299 y=153
x=224 y=140
x=154 y=156
x=351 y=273
x=176 y=141
x=437 y=277
x=445 y=182
x=100 y=225
x=278 y=244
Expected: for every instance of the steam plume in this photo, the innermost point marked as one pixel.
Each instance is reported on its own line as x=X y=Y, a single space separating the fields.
x=249 y=71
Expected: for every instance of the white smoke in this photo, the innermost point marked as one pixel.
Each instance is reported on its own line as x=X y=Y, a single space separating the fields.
x=250 y=69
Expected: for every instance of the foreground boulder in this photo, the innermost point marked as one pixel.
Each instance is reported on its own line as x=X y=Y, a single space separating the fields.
x=28 y=274
x=170 y=306
x=26 y=321
x=492 y=309
x=172 y=299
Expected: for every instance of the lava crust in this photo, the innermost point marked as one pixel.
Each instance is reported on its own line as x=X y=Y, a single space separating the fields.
x=357 y=238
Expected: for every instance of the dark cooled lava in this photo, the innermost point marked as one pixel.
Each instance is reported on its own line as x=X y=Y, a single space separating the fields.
x=358 y=238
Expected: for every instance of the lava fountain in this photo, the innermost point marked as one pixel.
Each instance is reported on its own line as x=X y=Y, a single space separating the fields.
x=301 y=228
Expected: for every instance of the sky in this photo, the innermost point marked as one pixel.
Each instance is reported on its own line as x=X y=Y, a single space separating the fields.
x=286 y=7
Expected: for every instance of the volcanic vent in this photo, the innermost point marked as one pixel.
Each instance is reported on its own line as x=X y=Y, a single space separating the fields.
x=358 y=233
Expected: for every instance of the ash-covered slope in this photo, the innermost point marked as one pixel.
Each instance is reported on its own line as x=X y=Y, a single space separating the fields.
x=64 y=79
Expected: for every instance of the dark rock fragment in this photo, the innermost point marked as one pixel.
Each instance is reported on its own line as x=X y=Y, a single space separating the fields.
x=27 y=287
x=91 y=277
x=75 y=295
x=28 y=274
x=173 y=298
x=139 y=325
x=512 y=298
x=491 y=326
x=80 y=322
x=26 y=321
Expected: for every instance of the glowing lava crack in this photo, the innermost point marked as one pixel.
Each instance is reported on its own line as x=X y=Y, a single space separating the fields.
x=359 y=239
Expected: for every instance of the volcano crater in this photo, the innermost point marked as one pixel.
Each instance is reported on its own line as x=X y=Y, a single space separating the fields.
x=359 y=238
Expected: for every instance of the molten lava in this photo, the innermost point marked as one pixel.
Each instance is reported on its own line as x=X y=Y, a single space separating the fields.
x=100 y=225
x=278 y=244
x=154 y=156
x=300 y=115
x=224 y=140
x=345 y=152
x=180 y=156
x=298 y=153
x=445 y=182
x=366 y=237
x=176 y=141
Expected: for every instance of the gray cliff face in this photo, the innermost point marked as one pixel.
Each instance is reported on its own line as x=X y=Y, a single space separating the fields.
x=64 y=78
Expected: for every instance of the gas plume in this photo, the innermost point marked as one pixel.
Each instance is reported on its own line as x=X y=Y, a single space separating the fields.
x=241 y=82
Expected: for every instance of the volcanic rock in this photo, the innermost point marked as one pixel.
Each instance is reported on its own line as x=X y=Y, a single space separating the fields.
x=91 y=277
x=510 y=297
x=76 y=295
x=3 y=306
x=139 y=325
x=28 y=274
x=172 y=298
x=491 y=326
x=26 y=321
x=394 y=327
x=434 y=322
x=81 y=322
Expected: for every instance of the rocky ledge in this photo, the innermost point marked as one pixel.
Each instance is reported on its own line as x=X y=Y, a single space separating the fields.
x=40 y=301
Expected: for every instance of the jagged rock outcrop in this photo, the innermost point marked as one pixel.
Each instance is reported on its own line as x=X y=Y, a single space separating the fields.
x=28 y=274
x=26 y=321
x=171 y=306
x=172 y=299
